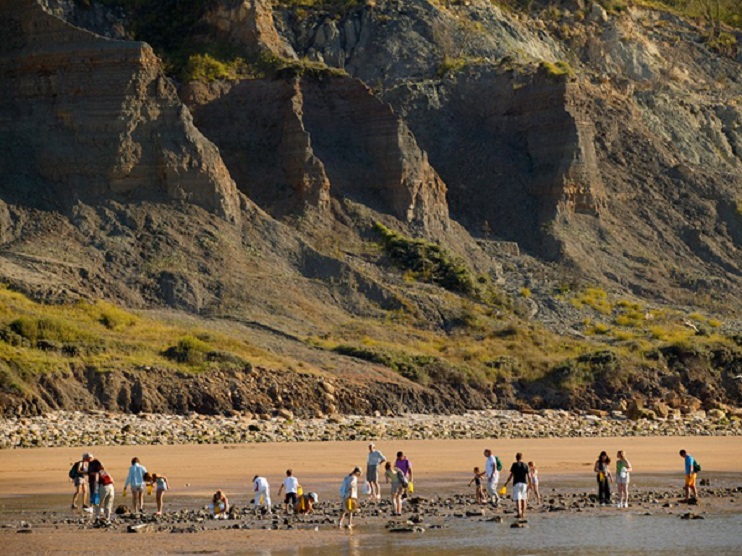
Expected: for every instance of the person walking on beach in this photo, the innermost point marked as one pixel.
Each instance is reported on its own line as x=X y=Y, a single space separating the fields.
x=533 y=472
x=161 y=486
x=521 y=482
x=349 y=496
x=603 y=474
x=94 y=466
x=262 y=493
x=375 y=459
x=492 y=473
x=291 y=484
x=478 y=489
x=135 y=478
x=690 y=475
x=623 y=469
x=78 y=473
x=389 y=477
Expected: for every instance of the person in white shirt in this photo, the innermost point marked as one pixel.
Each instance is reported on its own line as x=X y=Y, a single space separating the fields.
x=493 y=476
x=262 y=493
x=291 y=484
x=135 y=478
x=375 y=459
x=349 y=496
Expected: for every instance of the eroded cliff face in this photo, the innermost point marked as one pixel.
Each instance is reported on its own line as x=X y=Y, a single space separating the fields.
x=84 y=117
x=301 y=140
x=249 y=23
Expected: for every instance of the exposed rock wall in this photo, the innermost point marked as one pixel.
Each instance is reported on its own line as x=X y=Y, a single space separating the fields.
x=249 y=23
x=304 y=139
x=85 y=117
x=515 y=151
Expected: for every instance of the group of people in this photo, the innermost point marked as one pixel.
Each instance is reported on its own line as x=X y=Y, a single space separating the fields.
x=92 y=479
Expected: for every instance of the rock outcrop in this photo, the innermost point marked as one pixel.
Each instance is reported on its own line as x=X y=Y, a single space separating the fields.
x=249 y=23
x=300 y=140
x=84 y=117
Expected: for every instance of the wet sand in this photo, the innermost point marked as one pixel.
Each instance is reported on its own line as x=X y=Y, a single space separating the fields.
x=35 y=480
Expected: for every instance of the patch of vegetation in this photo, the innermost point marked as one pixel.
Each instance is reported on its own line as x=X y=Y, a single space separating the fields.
x=37 y=338
x=455 y=64
x=409 y=366
x=595 y=298
x=428 y=262
x=560 y=70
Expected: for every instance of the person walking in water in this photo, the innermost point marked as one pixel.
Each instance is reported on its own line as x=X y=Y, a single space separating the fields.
x=533 y=472
x=623 y=469
x=349 y=496
x=476 y=480
x=690 y=475
x=492 y=473
x=375 y=459
x=521 y=482
x=135 y=479
x=262 y=493
x=603 y=474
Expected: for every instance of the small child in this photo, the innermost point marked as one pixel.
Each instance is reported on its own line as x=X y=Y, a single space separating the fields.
x=219 y=505
x=161 y=485
x=478 y=489
x=533 y=472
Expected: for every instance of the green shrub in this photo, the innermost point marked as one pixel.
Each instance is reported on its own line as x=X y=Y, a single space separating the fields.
x=428 y=261
x=188 y=350
x=559 y=70
x=45 y=329
x=205 y=68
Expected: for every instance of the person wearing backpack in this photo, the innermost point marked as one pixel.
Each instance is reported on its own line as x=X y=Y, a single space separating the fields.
x=77 y=474
x=492 y=469
x=692 y=467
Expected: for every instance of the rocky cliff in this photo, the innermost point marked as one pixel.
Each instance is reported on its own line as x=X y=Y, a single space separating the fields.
x=306 y=139
x=398 y=193
x=89 y=118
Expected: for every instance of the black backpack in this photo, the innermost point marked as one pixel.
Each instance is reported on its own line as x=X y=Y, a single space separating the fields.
x=74 y=471
x=696 y=466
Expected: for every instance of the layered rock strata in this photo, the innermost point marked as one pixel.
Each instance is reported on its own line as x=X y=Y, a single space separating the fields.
x=84 y=117
x=302 y=139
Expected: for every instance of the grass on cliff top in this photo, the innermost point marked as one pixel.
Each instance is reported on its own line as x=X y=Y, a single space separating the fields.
x=36 y=338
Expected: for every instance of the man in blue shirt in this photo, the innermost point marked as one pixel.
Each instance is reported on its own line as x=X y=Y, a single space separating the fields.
x=690 y=475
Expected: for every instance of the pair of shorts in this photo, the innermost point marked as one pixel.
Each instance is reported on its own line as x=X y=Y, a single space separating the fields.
x=137 y=488
x=372 y=473
x=520 y=491
x=80 y=481
x=690 y=480
x=291 y=498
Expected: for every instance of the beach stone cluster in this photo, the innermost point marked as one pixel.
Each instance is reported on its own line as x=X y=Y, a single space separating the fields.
x=95 y=428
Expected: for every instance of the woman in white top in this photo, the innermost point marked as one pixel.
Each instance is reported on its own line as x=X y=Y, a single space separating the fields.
x=533 y=472
x=623 y=469
x=349 y=496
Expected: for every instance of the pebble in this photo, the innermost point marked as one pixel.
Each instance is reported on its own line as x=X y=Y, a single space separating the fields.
x=93 y=428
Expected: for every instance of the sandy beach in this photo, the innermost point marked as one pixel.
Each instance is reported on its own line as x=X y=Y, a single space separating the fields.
x=196 y=471
x=322 y=464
